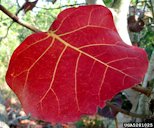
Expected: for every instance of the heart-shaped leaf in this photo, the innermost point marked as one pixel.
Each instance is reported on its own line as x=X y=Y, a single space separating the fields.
x=76 y=66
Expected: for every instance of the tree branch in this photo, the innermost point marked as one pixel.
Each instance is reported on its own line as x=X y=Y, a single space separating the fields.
x=120 y=9
x=114 y=107
x=67 y=5
x=17 y=20
x=142 y=107
x=64 y=6
x=142 y=90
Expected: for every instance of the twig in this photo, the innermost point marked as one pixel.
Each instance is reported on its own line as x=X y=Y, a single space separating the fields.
x=18 y=3
x=126 y=112
x=54 y=17
x=142 y=90
x=142 y=107
x=7 y=31
x=69 y=5
x=17 y=20
x=19 y=10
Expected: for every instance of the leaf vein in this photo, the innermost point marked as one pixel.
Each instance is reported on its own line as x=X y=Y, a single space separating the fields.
x=76 y=69
x=28 y=46
x=125 y=58
x=53 y=78
x=29 y=69
x=102 y=82
x=83 y=27
x=86 y=54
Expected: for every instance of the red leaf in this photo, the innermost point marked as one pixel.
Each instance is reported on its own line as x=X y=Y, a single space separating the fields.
x=74 y=67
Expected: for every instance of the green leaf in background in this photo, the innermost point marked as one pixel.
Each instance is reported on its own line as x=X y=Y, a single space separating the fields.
x=108 y=2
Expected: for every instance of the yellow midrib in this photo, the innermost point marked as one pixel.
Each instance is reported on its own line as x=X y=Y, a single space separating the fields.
x=52 y=34
x=75 y=48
